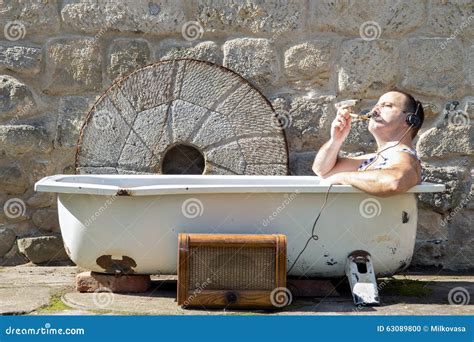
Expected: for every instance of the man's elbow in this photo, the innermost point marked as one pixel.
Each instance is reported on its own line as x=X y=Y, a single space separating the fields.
x=397 y=185
x=316 y=170
x=391 y=188
x=319 y=173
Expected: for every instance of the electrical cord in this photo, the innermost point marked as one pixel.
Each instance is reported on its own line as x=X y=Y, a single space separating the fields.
x=378 y=153
x=313 y=236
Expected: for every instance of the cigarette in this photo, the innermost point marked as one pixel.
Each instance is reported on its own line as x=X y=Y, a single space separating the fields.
x=360 y=116
x=347 y=103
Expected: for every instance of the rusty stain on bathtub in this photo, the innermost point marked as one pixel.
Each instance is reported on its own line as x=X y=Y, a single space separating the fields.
x=124 y=266
x=359 y=254
x=381 y=238
x=124 y=192
x=405 y=217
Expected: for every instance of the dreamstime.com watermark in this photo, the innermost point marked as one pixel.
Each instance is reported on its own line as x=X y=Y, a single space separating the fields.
x=108 y=25
x=103 y=297
x=192 y=208
x=370 y=207
x=14 y=208
x=102 y=120
x=457 y=32
x=459 y=296
x=456 y=117
x=370 y=30
x=282 y=119
x=456 y=210
x=197 y=291
x=281 y=297
x=288 y=199
x=14 y=30
x=46 y=330
x=108 y=202
x=27 y=108
x=192 y=30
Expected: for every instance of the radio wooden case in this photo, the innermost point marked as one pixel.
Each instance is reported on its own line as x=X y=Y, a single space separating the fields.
x=224 y=270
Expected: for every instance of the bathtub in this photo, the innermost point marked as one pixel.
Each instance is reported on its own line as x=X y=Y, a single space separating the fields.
x=133 y=221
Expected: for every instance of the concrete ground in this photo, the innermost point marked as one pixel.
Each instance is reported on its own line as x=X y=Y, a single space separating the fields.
x=37 y=290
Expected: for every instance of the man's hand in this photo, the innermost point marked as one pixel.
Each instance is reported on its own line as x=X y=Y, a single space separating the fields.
x=327 y=160
x=341 y=125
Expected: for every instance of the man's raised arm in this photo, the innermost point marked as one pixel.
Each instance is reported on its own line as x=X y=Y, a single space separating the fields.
x=326 y=158
x=327 y=162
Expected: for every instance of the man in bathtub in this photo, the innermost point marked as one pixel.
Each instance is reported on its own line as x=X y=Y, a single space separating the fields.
x=395 y=167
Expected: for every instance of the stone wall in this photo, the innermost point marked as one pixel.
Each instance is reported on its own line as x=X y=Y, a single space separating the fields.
x=56 y=57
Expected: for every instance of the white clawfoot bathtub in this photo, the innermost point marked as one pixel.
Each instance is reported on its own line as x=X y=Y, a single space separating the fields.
x=134 y=220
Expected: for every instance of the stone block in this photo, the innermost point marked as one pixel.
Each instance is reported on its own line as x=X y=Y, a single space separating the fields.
x=16 y=100
x=276 y=16
x=30 y=18
x=7 y=238
x=430 y=253
x=13 y=180
x=46 y=219
x=71 y=115
x=368 y=68
x=156 y=17
x=253 y=58
x=430 y=69
x=431 y=226
x=125 y=56
x=306 y=122
x=447 y=141
x=204 y=51
x=22 y=229
x=94 y=282
x=451 y=18
x=13 y=257
x=368 y=19
x=73 y=66
x=458 y=185
x=308 y=64
x=470 y=65
x=43 y=249
x=16 y=140
x=301 y=163
x=21 y=59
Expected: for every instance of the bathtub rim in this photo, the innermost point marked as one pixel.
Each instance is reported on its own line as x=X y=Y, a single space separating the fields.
x=211 y=184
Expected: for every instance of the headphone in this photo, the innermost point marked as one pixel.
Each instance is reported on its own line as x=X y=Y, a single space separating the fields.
x=412 y=119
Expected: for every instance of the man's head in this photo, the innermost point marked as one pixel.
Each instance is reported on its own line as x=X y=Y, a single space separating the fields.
x=392 y=109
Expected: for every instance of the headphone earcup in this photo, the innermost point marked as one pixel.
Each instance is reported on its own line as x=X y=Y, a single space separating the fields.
x=413 y=120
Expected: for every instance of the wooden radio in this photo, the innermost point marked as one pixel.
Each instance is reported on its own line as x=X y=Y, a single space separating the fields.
x=222 y=270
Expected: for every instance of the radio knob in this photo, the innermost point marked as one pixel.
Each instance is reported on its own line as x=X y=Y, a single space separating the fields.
x=231 y=297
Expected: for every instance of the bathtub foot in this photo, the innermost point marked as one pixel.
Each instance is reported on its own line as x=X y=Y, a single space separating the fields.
x=361 y=275
x=94 y=282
